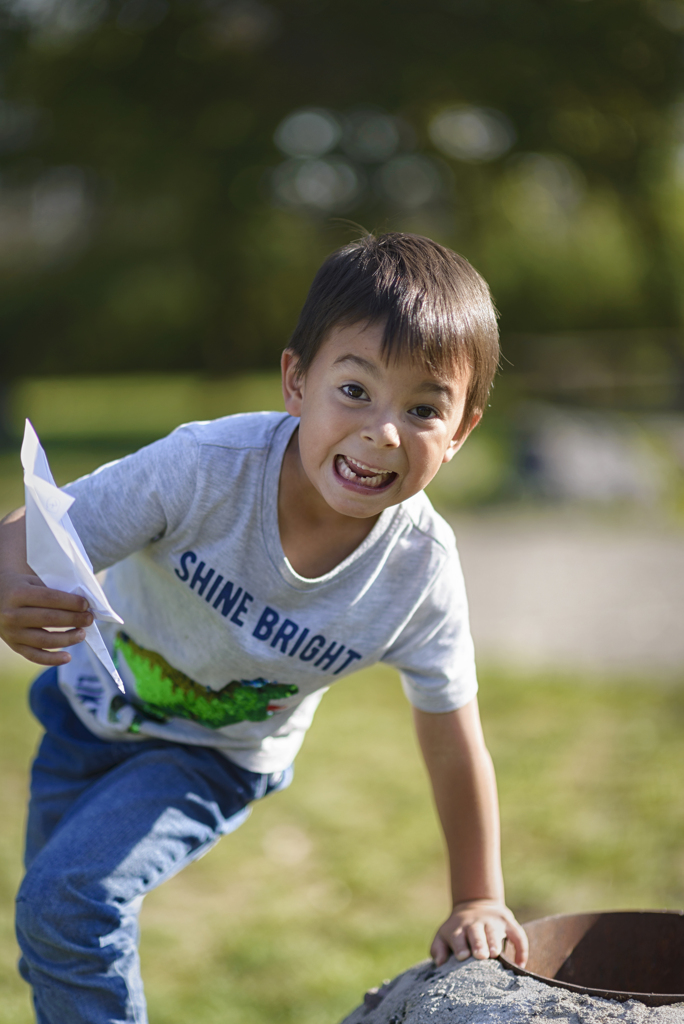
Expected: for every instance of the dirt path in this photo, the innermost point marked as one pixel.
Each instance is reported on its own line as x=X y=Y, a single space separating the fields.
x=555 y=589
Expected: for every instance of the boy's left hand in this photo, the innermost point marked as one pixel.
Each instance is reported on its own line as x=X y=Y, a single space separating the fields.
x=479 y=928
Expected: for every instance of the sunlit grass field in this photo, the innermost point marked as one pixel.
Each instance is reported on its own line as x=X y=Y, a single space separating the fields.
x=338 y=882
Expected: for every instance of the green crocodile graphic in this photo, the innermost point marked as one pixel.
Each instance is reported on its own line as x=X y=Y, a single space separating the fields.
x=163 y=692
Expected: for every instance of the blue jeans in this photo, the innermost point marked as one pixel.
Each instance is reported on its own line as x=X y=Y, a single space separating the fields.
x=107 y=823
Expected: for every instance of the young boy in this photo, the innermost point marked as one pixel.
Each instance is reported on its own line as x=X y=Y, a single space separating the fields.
x=255 y=560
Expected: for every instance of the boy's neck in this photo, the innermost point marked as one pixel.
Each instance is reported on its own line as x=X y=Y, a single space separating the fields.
x=315 y=538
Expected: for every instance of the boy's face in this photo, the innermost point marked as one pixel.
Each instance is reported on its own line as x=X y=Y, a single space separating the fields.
x=372 y=434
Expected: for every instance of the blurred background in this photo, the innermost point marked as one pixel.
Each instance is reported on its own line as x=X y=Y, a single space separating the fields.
x=172 y=173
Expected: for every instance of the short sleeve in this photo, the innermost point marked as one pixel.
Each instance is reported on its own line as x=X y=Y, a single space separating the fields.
x=434 y=652
x=124 y=505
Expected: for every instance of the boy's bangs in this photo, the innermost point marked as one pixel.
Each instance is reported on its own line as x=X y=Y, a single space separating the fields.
x=436 y=309
x=429 y=342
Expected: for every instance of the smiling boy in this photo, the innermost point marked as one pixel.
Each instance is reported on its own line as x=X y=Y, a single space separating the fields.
x=255 y=560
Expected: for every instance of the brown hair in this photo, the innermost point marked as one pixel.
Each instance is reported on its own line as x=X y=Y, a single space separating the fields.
x=436 y=308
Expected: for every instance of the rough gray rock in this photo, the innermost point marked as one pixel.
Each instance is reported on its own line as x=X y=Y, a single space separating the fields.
x=483 y=992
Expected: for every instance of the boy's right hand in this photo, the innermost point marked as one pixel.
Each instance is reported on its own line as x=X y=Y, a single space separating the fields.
x=28 y=609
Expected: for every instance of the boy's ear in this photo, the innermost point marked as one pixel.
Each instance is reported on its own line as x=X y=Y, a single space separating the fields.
x=293 y=385
x=459 y=438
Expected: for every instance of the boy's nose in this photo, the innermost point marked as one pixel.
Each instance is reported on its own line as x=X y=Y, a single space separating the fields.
x=384 y=434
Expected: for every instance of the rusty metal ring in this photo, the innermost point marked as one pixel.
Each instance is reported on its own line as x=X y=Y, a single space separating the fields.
x=609 y=954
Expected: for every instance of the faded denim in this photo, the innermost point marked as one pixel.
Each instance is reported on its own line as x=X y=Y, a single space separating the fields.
x=108 y=822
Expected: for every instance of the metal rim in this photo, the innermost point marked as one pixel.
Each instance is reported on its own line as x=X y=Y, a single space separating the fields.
x=649 y=998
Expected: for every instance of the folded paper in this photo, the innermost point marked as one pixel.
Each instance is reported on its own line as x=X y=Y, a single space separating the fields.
x=53 y=548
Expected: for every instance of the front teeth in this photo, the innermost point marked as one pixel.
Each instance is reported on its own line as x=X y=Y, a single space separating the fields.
x=345 y=470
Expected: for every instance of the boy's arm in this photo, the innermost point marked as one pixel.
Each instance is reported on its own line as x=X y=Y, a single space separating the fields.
x=28 y=607
x=464 y=788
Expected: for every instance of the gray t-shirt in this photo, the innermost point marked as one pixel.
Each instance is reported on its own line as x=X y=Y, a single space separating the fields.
x=223 y=643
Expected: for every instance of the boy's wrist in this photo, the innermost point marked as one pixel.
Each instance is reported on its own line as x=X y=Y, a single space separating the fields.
x=489 y=900
x=481 y=903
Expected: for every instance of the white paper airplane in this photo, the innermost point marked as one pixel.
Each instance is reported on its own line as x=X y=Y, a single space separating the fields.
x=53 y=548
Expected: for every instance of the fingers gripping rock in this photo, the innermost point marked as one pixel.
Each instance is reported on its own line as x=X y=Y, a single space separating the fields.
x=483 y=992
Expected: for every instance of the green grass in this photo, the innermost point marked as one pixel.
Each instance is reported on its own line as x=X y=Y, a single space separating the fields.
x=135 y=405
x=84 y=422
x=339 y=882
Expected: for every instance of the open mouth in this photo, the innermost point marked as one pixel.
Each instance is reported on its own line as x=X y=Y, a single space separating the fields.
x=361 y=475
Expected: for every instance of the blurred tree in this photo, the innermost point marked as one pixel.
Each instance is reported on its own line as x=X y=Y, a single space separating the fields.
x=148 y=219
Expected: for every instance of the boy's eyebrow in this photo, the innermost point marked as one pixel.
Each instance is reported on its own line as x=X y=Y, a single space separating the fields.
x=365 y=364
x=436 y=387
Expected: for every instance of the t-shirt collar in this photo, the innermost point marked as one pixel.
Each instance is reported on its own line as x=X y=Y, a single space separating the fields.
x=269 y=518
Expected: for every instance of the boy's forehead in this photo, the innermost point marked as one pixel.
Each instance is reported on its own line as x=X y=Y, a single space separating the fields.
x=362 y=344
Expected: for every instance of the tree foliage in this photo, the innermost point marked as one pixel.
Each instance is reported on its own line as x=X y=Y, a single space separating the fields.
x=141 y=226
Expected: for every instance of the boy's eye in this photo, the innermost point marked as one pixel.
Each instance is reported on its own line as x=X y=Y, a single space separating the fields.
x=353 y=391
x=424 y=412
